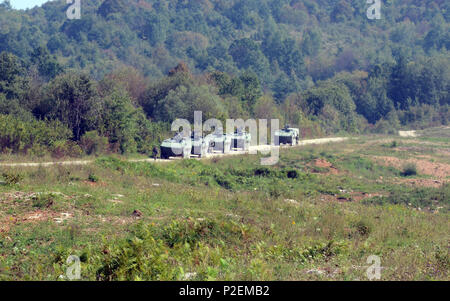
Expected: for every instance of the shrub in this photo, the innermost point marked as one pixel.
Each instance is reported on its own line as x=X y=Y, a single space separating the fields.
x=263 y=172
x=187 y=232
x=292 y=174
x=12 y=178
x=421 y=197
x=94 y=144
x=19 y=136
x=43 y=200
x=93 y=178
x=64 y=148
x=38 y=150
x=409 y=169
x=224 y=181
x=363 y=228
x=139 y=258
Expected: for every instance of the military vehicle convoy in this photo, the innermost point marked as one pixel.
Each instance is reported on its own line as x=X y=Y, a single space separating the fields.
x=287 y=135
x=185 y=146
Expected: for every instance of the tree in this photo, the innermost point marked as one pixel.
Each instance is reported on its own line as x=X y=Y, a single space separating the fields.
x=252 y=89
x=129 y=79
x=155 y=29
x=342 y=11
x=71 y=99
x=247 y=55
x=336 y=96
x=284 y=86
x=12 y=82
x=111 y=7
x=119 y=121
x=184 y=100
x=152 y=97
x=311 y=42
x=265 y=108
x=46 y=64
x=6 y=4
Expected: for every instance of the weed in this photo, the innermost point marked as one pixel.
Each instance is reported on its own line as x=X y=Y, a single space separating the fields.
x=12 y=178
x=93 y=178
x=363 y=228
x=43 y=200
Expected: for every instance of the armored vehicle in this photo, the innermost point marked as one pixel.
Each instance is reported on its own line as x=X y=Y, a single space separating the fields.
x=287 y=135
x=199 y=145
x=241 y=140
x=176 y=146
x=219 y=142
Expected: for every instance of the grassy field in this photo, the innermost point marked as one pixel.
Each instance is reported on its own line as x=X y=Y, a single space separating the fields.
x=317 y=215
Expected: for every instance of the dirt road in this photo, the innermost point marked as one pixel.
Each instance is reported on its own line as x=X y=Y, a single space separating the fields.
x=253 y=149
x=407 y=133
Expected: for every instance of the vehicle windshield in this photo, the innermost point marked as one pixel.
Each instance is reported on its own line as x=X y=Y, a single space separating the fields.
x=178 y=138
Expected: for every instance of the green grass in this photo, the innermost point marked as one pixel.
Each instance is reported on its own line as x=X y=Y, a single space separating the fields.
x=225 y=219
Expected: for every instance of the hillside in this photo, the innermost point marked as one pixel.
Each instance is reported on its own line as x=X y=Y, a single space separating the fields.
x=280 y=40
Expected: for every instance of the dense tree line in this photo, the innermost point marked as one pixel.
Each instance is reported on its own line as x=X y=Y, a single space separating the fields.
x=288 y=43
x=113 y=81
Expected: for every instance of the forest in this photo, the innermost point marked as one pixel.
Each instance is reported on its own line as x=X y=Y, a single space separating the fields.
x=114 y=80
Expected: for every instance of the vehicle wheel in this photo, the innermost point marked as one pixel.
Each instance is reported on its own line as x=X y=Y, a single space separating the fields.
x=226 y=148
x=203 y=152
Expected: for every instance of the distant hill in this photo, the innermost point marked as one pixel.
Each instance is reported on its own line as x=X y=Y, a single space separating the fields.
x=288 y=43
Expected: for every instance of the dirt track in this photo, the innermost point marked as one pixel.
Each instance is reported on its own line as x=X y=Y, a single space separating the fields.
x=252 y=149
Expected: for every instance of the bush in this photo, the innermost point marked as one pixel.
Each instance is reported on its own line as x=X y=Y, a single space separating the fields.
x=94 y=144
x=20 y=136
x=409 y=169
x=43 y=200
x=93 y=178
x=292 y=174
x=363 y=228
x=421 y=197
x=64 y=148
x=12 y=178
x=139 y=258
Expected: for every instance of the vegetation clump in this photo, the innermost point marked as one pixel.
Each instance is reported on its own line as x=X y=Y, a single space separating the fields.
x=12 y=178
x=410 y=169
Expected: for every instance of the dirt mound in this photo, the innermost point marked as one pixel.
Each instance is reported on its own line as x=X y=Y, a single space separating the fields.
x=423 y=182
x=32 y=217
x=437 y=170
x=322 y=163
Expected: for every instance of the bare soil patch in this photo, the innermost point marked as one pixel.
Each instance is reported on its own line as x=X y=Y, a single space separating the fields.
x=437 y=170
x=423 y=182
x=354 y=196
x=322 y=163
